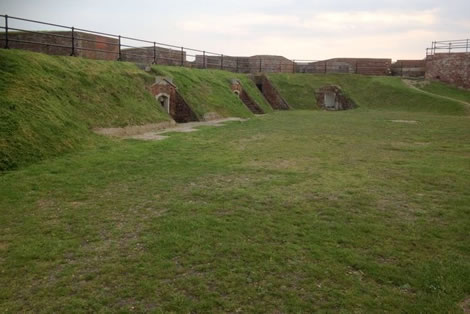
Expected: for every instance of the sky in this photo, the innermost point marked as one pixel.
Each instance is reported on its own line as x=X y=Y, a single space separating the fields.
x=301 y=30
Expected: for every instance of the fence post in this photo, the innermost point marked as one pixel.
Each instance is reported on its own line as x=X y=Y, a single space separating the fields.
x=325 y=65
x=73 y=41
x=222 y=63
x=466 y=47
x=182 y=56
x=154 y=53
x=293 y=66
x=260 y=65
x=120 y=56
x=450 y=45
x=237 y=64
x=6 y=32
x=204 y=59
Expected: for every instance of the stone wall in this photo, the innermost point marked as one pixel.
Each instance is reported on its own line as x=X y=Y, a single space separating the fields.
x=409 y=68
x=452 y=68
x=60 y=43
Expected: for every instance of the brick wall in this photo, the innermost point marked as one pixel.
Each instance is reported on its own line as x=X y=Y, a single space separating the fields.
x=409 y=68
x=366 y=66
x=253 y=64
x=164 y=56
x=452 y=68
x=85 y=44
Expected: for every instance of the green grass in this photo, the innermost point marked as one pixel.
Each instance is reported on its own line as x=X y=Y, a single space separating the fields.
x=447 y=90
x=209 y=91
x=369 y=92
x=49 y=105
x=294 y=211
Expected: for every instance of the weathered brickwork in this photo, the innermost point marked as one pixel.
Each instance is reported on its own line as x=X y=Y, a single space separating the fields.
x=366 y=66
x=270 y=93
x=158 y=55
x=452 y=68
x=237 y=88
x=179 y=110
x=254 y=64
x=86 y=45
x=409 y=68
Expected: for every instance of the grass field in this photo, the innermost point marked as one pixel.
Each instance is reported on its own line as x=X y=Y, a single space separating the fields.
x=288 y=212
x=370 y=92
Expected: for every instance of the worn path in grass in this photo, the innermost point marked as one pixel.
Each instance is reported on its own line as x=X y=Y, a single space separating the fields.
x=292 y=212
x=411 y=84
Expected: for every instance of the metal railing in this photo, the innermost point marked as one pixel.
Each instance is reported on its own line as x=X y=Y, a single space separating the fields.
x=448 y=46
x=69 y=40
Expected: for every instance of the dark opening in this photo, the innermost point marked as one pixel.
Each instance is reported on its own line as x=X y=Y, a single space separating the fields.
x=260 y=87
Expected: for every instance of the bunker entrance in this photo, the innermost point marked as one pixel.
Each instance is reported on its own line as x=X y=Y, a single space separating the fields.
x=331 y=97
x=270 y=93
x=171 y=101
x=238 y=90
x=330 y=100
x=164 y=101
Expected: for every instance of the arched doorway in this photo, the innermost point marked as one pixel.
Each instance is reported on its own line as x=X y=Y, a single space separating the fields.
x=164 y=100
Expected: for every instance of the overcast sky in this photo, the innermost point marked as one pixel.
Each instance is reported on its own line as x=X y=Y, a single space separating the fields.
x=296 y=29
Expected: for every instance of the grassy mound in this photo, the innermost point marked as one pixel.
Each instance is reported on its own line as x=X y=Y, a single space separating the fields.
x=49 y=104
x=209 y=90
x=370 y=92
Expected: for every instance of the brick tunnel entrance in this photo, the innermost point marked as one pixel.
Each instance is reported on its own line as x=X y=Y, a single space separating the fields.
x=168 y=97
x=238 y=90
x=270 y=93
x=331 y=97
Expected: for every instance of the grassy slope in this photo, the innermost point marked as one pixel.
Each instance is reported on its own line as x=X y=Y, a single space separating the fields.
x=368 y=92
x=209 y=90
x=49 y=104
x=289 y=212
x=447 y=90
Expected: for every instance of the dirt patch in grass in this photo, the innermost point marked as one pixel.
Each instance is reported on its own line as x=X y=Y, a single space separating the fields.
x=183 y=128
x=404 y=121
x=465 y=305
x=132 y=130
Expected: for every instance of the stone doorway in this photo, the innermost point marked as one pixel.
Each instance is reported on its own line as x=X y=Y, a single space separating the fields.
x=164 y=100
x=331 y=97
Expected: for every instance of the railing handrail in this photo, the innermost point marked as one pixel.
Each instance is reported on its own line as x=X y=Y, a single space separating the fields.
x=153 y=51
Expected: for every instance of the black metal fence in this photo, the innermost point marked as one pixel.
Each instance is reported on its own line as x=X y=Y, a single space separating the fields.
x=448 y=46
x=21 y=33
